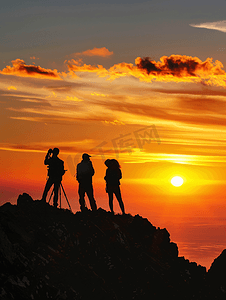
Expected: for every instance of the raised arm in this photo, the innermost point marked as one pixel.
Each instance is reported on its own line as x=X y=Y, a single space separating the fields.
x=46 y=161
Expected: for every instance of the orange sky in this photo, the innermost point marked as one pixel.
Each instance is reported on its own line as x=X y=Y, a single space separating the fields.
x=158 y=118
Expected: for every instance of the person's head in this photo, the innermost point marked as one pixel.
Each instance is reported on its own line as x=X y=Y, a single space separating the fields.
x=107 y=163
x=56 y=151
x=86 y=156
x=115 y=164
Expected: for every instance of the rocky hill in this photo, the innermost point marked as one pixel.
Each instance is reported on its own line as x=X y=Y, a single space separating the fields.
x=49 y=253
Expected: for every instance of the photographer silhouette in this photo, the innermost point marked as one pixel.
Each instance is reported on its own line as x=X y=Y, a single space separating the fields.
x=55 y=174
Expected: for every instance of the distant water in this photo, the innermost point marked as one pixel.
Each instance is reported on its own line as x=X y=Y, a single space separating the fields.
x=200 y=240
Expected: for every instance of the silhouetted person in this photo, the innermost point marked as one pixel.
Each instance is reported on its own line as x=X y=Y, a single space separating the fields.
x=84 y=174
x=55 y=173
x=112 y=178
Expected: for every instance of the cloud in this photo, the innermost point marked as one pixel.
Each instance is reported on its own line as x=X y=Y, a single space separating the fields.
x=180 y=66
x=219 y=25
x=60 y=88
x=103 y=52
x=11 y=88
x=174 y=68
x=68 y=98
x=67 y=111
x=204 y=104
x=23 y=96
x=33 y=57
x=190 y=90
x=75 y=66
x=21 y=148
x=65 y=147
x=97 y=94
x=20 y=68
x=187 y=111
x=115 y=122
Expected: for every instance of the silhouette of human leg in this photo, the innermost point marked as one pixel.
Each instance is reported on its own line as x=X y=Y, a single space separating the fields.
x=48 y=185
x=56 y=192
x=110 y=196
x=92 y=201
x=118 y=195
x=81 y=192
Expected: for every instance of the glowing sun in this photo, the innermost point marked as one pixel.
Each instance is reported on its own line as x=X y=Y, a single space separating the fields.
x=177 y=181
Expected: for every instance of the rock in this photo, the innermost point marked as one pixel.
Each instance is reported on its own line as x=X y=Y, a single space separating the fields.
x=24 y=199
x=217 y=277
x=49 y=253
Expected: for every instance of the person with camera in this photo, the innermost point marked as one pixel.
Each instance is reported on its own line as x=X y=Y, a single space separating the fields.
x=55 y=174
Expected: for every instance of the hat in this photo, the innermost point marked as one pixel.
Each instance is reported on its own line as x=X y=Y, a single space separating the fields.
x=85 y=156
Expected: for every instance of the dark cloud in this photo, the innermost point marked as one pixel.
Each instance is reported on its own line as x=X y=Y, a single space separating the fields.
x=19 y=68
x=179 y=66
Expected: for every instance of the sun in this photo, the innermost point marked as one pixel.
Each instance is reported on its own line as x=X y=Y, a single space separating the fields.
x=177 y=181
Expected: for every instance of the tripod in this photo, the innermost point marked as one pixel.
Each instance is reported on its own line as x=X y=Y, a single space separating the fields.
x=61 y=188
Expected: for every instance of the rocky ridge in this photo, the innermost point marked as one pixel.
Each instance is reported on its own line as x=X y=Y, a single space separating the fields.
x=49 y=253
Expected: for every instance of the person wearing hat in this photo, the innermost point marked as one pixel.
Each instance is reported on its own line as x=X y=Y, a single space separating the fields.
x=84 y=174
x=55 y=174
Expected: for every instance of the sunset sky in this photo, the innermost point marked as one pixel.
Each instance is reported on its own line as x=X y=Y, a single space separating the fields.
x=140 y=81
